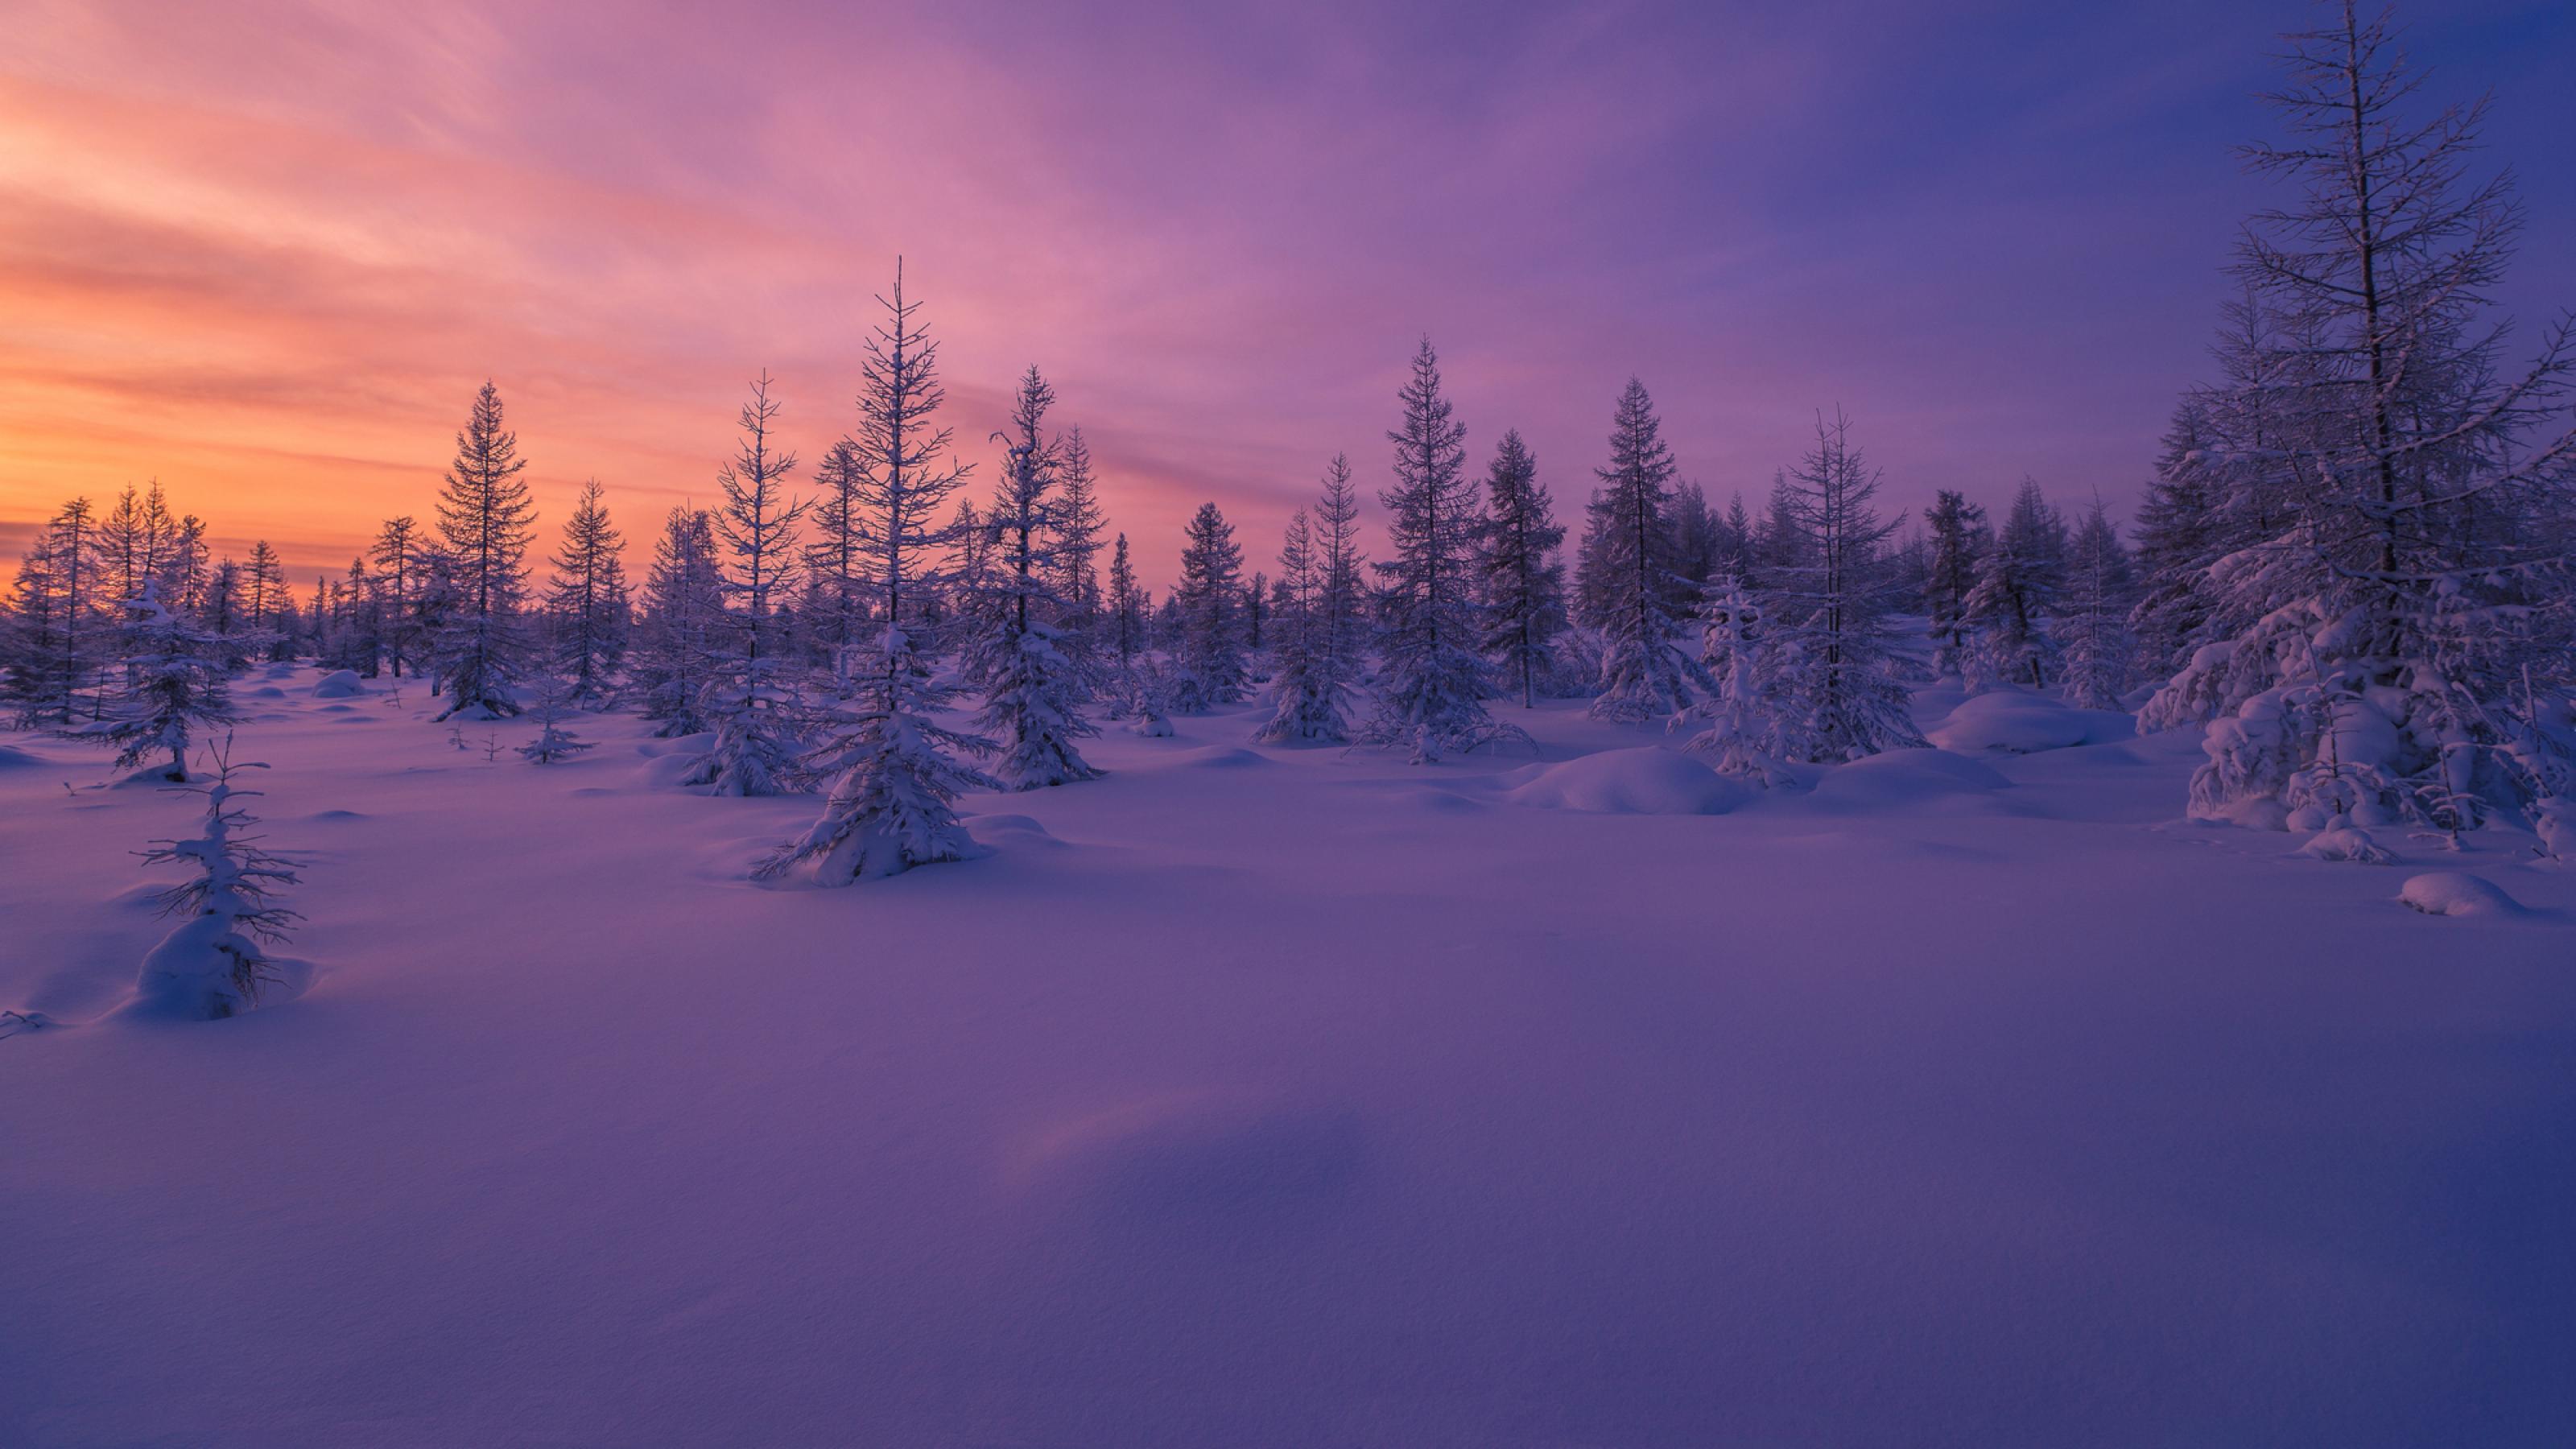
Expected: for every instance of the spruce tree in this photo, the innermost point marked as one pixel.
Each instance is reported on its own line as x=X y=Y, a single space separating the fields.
x=1524 y=579
x=396 y=555
x=175 y=686
x=1209 y=595
x=836 y=565
x=1644 y=672
x=1958 y=546
x=1306 y=704
x=749 y=699
x=894 y=776
x=2396 y=497
x=1843 y=668
x=589 y=600
x=2093 y=618
x=1018 y=653
x=487 y=519
x=1341 y=589
x=57 y=629
x=2018 y=583
x=1078 y=526
x=1738 y=726
x=1431 y=694
x=683 y=625
x=1126 y=609
x=263 y=598
x=214 y=964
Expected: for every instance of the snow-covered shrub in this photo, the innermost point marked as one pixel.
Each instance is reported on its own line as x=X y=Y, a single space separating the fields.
x=178 y=687
x=212 y=966
x=1735 y=727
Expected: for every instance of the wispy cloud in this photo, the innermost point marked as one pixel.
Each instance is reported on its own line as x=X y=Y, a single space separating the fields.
x=264 y=251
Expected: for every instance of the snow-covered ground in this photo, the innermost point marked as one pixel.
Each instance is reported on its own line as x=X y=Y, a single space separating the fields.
x=1257 y=1096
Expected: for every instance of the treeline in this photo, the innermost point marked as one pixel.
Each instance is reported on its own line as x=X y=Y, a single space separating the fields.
x=2350 y=568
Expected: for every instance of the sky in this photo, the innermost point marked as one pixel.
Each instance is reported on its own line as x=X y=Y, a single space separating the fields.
x=264 y=251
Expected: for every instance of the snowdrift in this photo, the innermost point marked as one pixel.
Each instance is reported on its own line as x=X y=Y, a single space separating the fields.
x=1905 y=777
x=2018 y=722
x=2456 y=893
x=338 y=684
x=1645 y=781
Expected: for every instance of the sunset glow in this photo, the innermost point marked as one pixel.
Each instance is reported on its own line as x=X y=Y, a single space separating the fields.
x=264 y=252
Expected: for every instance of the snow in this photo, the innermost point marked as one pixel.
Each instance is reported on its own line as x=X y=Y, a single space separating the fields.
x=2456 y=893
x=2019 y=722
x=1902 y=778
x=1284 y=1105
x=1649 y=781
x=338 y=684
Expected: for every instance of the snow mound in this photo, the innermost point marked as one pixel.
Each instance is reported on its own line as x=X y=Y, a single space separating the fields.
x=1012 y=829
x=338 y=684
x=1641 y=781
x=692 y=745
x=2348 y=842
x=1209 y=1168
x=2456 y=893
x=1903 y=777
x=2018 y=722
x=1446 y=802
x=268 y=691
x=1222 y=757
x=667 y=771
x=13 y=758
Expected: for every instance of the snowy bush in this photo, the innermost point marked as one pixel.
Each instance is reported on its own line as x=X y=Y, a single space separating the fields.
x=213 y=965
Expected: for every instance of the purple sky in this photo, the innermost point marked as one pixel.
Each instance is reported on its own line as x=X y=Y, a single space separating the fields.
x=264 y=251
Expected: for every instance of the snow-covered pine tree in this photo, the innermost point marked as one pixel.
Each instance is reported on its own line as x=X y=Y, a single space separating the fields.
x=1306 y=707
x=554 y=698
x=893 y=769
x=682 y=625
x=1646 y=674
x=1431 y=690
x=174 y=687
x=1843 y=668
x=183 y=568
x=487 y=519
x=1737 y=726
x=433 y=608
x=2092 y=624
x=2404 y=544
x=1780 y=541
x=1211 y=668
x=588 y=597
x=57 y=634
x=2177 y=539
x=2018 y=583
x=836 y=566
x=213 y=965
x=1735 y=559
x=133 y=538
x=396 y=555
x=749 y=698
x=1017 y=653
x=1079 y=524
x=1126 y=610
x=1524 y=578
x=357 y=622
x=1256 y=612
x=1341 y=588
x=1958 y=543
x=1694 y=532
x=263 y=595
